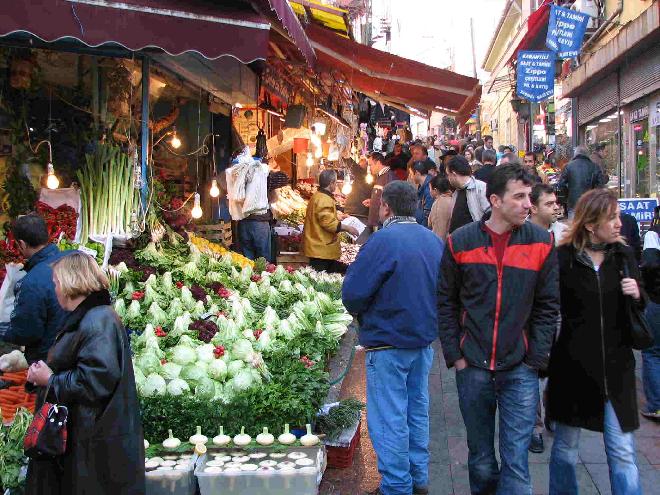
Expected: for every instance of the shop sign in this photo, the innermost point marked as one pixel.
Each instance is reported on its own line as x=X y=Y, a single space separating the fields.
x=654 y=113
x=640 y=208
x=535 y=75
x=565 y=31
x=641 y=113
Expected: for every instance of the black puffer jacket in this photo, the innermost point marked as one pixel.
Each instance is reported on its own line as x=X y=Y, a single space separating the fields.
x=592 y=360
x=498 y=316
x=579 y=176
x=93 y=377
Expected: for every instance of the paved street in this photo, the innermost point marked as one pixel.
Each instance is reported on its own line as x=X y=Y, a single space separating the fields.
x=448 y=468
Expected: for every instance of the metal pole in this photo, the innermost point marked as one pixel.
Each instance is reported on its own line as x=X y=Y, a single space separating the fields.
x=474 y=73
x=145 y=132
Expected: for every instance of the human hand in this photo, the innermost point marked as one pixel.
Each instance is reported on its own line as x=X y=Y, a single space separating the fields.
x=39 y=373
x=461 y=364
x=351 y=230
x=367 y=202
x=630 y=288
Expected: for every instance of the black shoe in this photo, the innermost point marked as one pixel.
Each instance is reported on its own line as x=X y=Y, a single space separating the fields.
x=420 y=490
x=536 y=445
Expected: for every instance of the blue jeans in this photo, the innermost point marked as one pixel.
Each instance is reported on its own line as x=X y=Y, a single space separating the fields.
x=398 y=416
x=254 y=238
x=651 y=361
x=620 y=450
x=516 y=393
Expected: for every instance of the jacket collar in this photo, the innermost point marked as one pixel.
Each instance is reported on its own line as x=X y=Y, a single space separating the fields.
x=325 y=191
x=40 y=256
x=394 y=219
x=73 y=319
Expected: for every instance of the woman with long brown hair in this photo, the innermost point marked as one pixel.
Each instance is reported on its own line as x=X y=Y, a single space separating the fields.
x=592 y=368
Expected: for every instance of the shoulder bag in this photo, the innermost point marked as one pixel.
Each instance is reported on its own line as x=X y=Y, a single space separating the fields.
x=640 y=331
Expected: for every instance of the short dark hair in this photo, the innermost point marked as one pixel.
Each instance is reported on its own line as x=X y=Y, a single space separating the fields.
x=460 y=165
x=401 y=197
x=600 y=146
x=489 y=156
x=487 y=137
x=507 y=148
x=31 y=229
x=501 y=177
x=326 y=178
x=512 y=157
x=421 y=167
x=377 y=157
x=423 y=148
x=440 y=183
x=530 y=153
x=539 y=189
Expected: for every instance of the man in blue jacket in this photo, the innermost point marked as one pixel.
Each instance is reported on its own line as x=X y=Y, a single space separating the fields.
x=37 y=315
x=391 y=288
x=424 y=199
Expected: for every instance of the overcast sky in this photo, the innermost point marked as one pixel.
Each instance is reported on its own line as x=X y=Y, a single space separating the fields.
x=429 y=29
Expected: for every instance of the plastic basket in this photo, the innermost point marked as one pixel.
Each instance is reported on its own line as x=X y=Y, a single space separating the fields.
x=342 y=457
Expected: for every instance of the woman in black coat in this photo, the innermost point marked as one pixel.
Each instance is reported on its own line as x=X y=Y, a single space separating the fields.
x=592 y=368
x=89 y=370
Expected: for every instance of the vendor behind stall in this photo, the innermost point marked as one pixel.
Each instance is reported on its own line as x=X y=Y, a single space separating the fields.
x=359 y=193
x=320 y=241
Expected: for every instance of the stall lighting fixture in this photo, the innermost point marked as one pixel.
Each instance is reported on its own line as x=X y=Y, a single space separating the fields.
x=214 y=192
x=175 y=142
x=320 y=128
x=52 y=182
x=268 y=107
x=310 y=161
x=348 y=185
x=613 y=116
x=196 y=211
x=605 y=120
x=369 y=178
x=238 y=105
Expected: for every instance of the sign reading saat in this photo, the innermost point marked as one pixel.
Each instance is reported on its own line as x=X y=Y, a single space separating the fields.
x=640 y=208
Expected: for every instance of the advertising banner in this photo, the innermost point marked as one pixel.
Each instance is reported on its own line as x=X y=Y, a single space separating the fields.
x=535 y=75
x=566 y=29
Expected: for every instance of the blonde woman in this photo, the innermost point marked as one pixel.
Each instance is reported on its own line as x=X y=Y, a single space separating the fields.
x=592 y=368
x=89 y=370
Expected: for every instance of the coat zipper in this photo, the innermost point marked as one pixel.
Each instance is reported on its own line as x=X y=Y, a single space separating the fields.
x=602 y=331
x=496 y=325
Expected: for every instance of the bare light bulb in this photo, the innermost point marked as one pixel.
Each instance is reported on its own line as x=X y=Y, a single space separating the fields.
x=310 y=160
x=318 y=153
x=52 y=182
x=196 y=211
x=320 y=127
x=369 y=178
x=347 y=187
x=175 y=142
x=214 y=192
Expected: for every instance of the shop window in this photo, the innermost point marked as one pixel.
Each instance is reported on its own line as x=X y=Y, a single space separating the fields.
x=605 y=131
x=642 y=175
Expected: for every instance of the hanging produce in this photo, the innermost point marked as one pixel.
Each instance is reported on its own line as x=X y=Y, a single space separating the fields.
x=107 y=194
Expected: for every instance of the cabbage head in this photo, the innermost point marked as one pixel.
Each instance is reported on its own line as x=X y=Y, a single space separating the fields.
x=148 y=362
x=234 y=367
x=177 y=387
x=193 y=374
x=153 y=385
x=205 y=388
x=171 y=370
x=217 y=369
x=183 y=354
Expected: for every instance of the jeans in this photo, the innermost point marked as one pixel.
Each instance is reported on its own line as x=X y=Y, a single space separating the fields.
x=516 y=393
x=651 y=361
x=398 y=416
x=620 y=450
x=539 y=426
x=254 y=238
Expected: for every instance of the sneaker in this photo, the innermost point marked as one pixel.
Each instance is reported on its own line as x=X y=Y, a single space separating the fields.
x=536 y=445
x=420 y=490
x=651 y=415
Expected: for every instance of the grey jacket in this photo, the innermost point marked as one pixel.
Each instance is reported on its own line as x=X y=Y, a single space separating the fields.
x=476 y=199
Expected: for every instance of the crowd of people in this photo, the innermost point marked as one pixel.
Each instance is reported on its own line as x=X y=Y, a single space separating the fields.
x=531 y=300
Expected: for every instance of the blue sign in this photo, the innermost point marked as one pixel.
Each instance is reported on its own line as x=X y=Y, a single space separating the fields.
x=640 y=208
x=565 y=31
x=535 y=75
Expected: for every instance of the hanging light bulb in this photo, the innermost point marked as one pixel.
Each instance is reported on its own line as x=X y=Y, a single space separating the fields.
x=214 y=192
x=320 y=127
x=310 y=160
x=348 y=185
x=175 y=142
x=52 y=182
x=369 y=178
x=196 y=211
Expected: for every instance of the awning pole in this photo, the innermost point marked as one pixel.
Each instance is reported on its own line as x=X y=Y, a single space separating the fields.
x=145 y=132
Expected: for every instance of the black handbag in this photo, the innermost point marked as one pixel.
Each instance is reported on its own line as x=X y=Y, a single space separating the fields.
x=640 y=331
x=47 y=434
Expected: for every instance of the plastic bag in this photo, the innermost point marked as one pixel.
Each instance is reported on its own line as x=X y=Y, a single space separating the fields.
x=14 y=274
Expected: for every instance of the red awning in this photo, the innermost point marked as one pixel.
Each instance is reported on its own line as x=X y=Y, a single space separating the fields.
x=291 y=24
x=393 y=79
x=536 y=22
x=172 y=26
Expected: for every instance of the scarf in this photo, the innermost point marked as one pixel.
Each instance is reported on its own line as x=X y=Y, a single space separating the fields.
x=401 y=219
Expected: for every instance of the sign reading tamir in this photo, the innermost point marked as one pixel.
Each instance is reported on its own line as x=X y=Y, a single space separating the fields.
x=640 y=208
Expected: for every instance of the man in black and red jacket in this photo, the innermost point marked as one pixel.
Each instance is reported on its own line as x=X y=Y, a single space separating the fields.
x=498 y=304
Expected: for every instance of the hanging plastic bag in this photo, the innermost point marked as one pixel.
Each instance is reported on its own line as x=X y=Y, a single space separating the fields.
x=14 y=274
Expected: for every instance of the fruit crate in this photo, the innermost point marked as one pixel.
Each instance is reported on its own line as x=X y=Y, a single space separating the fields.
x=220 y=232
x=295 y=260
x=342 y=457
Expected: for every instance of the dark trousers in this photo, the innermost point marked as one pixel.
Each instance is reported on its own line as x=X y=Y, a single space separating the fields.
x=254 y=238
x=329 y=266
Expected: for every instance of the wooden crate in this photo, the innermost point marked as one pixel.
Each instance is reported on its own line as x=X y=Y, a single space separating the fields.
x=220 y=232
x=294 y=260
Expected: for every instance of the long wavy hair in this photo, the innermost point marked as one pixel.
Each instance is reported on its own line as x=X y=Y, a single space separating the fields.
x=593 y=207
